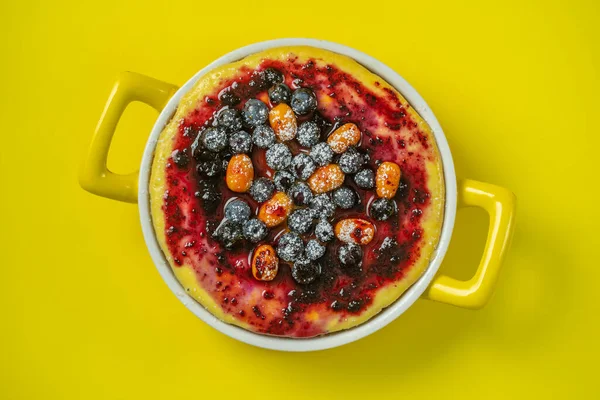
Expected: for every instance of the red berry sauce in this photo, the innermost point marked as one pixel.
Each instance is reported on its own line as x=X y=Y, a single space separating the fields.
x=283 y=305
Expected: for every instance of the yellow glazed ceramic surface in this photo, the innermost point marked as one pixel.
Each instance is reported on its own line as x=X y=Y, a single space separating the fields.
x=515 y=86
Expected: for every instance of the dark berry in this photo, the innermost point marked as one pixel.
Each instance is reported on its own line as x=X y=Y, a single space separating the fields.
x=350 y=255
x=354 y=305
x=305 y=271
x=237 y=211
x=303 y=101
x=314 y=250
x=351 y=161
x=230 y=119
x=263 y=136
x=272 y=76
x=300 y=220
x=365 y=179
x=255 y=112
x=197 y=148
x=210 y=168
x=322 y=207
x=290 y=247
x=280 y=93
x=214 y=139
x=303 y=166
x=300 y=194
x=240 y=142
x=180 y=158
x=283 y=180
x=308 y=134
x=209 y=194
x=278 y=156
x=255 y=230
x=228 y=233
x=321 y=154
x=324 y=231
x=344 y=197
x=228 y=98
x=382 y=209
x=262 y=189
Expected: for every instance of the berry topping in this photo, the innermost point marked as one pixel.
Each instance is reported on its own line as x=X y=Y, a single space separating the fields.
x=351 y=161
x=255 y=230
x=283 y=122
x=209 y=194
x=180 y=158
x=326 y=179
x=344 y=197
x=350 y=255
x=322 y=207
x=303 y=101
x=365 y=179
x=265 y=263
x=324 y=231
x=303 y=166
x=211 y=168
x=262 y=189
x=230 y=119
x=355 y=230
x=240 y=142
x=237 y=211
x=275 y=210
x=305 y=271
x=314 y=250
x=387 y=179
x=272 y=76
x=228 y=233
x=343 y=137
x=280 y=93
x=382 y=209
x=308 y=134
x=240 y=173
x=214 y=138
x=228 y=98
x=300 y=221
x=279 y=156
x=300 y=193
x=322 y=154
x=255 y=112
x=283 y=180
x=290 y=247
x=263 y=136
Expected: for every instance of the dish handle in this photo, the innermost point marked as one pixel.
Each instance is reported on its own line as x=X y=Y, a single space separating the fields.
x=500 y=204
x=94 y=175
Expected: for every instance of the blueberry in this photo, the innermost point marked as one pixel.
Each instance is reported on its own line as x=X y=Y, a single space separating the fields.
x=365 y=179
x=382 y=209
x=303 y=101
x=263 y=136
x=272 y=76
x=255 y=112
x=228 y=233
x=300 y=194
x=280 y=93
x=321 y=154
x=351 y=161
x=279 y=156
x=308 y=134
x=303 y=166
x=214 y=139
x=350 y=255
x=283 y=180
x=230 y=119
x=262 y=189
x=180 y=158
x=255 y=230
x=314 y=250
x=228 y=98
x=300 y=221
x=203 y=155
x=211 y=168
x=209 y=194
x=240 y=142
x=344 y=197
x=290 y=247
x=305 y=271
x=322 y=207
x=324 y=231
x=237 y=211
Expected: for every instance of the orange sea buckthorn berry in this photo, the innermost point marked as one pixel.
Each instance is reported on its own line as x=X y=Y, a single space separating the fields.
x=326 y=179
x=240 y=173
x=387 y=179
x=343 y=137
x=355 y=230
x=275 y=210
x=283 y=122
x=265 y=263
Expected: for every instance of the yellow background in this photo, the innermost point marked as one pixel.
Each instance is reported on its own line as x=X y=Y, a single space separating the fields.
x=86 y=316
